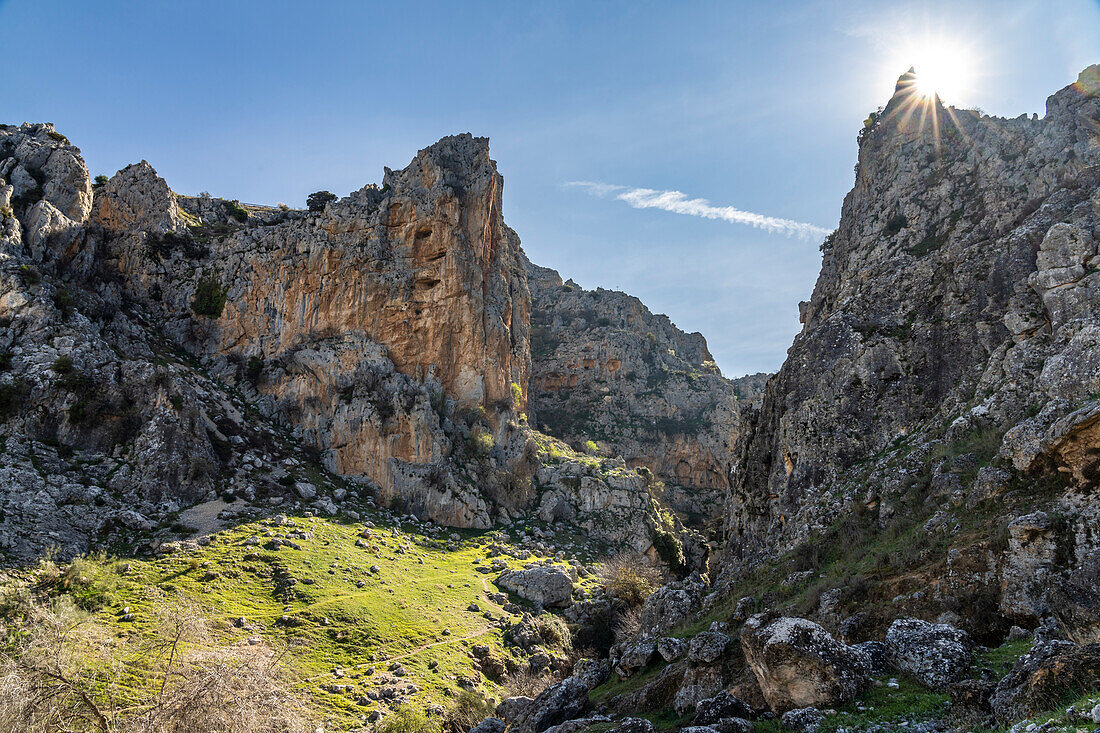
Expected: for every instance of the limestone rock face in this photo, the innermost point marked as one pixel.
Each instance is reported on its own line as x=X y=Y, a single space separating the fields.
x=798 y=664
x=1028 y=564
x=41 y=165
x=955 y=305
x=606 y=369
x=362 y=320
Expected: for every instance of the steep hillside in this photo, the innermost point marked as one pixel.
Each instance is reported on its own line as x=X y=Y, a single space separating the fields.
x=607 y=370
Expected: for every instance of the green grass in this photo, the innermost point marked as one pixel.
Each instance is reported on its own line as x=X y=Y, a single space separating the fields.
x=400 y=613
x=883 y=704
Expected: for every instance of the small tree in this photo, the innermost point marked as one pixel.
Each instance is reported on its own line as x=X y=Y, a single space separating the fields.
x=317 y=200
x=209 y=297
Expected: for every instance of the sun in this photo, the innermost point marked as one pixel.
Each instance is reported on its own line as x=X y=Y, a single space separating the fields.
x=942 y=68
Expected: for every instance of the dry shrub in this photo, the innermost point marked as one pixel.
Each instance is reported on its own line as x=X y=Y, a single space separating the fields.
x=629 y=578
x=526 y=683
x=553 y=631
x=407 y=719
x=628 y=623
x=64 y=672
x=468 y=709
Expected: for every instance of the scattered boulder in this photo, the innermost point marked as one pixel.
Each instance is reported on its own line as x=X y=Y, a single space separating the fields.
x=562 y=701
x=935 y=654
x=875 y=656
x=805 y=720
x=671 y=649
x=798 y=664
x=510 y=707
x=722 y=705
x=971 y=697
x=1044 y=676
x=489 y=725
x=635 y=656
x=634 y=725
x=732 y=725
x=707 y=646
x=546 y=585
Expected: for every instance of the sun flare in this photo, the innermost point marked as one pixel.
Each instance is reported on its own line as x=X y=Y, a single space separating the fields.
x=943 y=68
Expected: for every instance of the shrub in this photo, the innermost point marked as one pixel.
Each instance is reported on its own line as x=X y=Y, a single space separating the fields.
x=209 y=298
x=64 y=302
x=553 y=631
x=517 y=396
x=254 y=368
x=467 y=710
x=481 y=442
x=895 y=224
x=11 y=398
x=235 y=210
x=5 y=361
x=29 y=275
x=591 y=448
x=629 y=578
x=62 y=365
x=100 y=181
x=407 y=719
x=6 y=212
x=317 y=200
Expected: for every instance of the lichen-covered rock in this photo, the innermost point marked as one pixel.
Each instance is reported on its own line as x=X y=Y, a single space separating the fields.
x=804 y=720
x=562 y=701
x=671 y=648
x=935 y=654
x=544 y=585
x=1076 y=606
x=706 y=647
x=672 y=603
x=634 y=656
x=722 y=705
x=1027 y=566
x=1044 y=677
x=798 y=664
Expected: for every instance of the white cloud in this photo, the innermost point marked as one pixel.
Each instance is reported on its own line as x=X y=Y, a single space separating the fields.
x=679 y=203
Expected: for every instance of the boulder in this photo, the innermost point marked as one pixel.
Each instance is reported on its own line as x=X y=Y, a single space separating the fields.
x=634 y=725
x=875 y=656
x=935 y=654
x=671 y=649
x=510 y=707
x=722 y=705
x=635 y=656
x=1043 y=677
x=546 y=585
x=798 y=664
x=708 y=646
x=489 y=725
x=579 y=724
x=562 y=701
x=805 y=720
x=732 y=725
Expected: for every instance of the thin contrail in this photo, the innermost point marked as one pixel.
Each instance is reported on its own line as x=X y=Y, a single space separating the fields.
x=678 y=203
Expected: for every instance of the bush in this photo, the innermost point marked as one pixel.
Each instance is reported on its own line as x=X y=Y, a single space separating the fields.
x=6 y=212
x=517 y=396
x=100 y=181
x=254 y=368
x=62 y=365
x=11 y=398
x=467 y=710
x=895 y=224
x=591 y=448
x=481 y=442
x=235 y=210
x=629 y=578
x=64 y=302
x=317 y=200
x=209 y=298
x=553 y=631
x=407 y=719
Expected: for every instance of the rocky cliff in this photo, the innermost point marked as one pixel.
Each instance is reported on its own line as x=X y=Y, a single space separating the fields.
x=946 y=354
x=607 y=370
x=387 y=332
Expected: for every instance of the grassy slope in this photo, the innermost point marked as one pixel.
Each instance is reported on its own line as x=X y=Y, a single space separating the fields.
x=399 y=614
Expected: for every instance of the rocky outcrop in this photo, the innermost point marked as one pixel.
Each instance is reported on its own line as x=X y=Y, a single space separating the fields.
x=607 y=370
x=954 y=301
x=388 y=334
x=798 y=664
x=1045 y=676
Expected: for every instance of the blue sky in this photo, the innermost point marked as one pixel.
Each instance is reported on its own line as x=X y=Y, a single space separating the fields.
x=751 y=106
